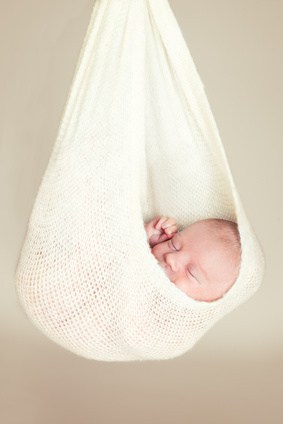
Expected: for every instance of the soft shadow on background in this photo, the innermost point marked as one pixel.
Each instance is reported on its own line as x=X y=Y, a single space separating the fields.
x=235 y=372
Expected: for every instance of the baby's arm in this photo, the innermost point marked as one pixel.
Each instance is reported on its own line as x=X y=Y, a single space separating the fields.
x=160 y=229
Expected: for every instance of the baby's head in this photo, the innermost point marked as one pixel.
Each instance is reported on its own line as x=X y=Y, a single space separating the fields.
x=203 y=260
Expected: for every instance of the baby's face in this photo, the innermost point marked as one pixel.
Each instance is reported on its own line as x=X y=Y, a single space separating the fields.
x=197 y=263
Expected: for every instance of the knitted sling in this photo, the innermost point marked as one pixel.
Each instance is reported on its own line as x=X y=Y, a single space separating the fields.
x=137 y=139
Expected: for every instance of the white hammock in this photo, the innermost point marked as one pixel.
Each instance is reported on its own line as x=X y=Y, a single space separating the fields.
x=137 y=139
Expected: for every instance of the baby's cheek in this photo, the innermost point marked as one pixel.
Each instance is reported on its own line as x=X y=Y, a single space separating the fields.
x=182 y=285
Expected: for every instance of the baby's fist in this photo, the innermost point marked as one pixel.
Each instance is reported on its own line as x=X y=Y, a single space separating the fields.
x=167 y=225
x=160 y=229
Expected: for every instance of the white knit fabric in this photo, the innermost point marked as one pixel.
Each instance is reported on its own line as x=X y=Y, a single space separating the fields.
x=137 y=139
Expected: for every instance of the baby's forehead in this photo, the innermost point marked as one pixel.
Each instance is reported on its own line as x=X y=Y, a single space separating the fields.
x=193 y=228
x=198 y=230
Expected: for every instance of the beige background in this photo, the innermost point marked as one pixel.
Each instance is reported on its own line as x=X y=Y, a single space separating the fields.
x=235 y=373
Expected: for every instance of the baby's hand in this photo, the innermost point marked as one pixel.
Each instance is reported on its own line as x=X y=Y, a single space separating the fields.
x=160 y=229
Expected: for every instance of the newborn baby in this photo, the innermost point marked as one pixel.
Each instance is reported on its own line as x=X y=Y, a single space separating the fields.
x=203 y=260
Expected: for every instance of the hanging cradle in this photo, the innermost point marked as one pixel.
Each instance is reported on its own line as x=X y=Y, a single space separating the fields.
x=137 y=139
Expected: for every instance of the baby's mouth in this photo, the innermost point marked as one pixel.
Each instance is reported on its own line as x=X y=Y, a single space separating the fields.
x=166 y=270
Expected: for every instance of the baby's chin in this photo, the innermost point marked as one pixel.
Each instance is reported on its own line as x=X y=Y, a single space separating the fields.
x=153 y=251
x=159 y=260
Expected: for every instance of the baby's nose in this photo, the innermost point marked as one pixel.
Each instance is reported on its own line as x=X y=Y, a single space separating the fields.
x=171 y=261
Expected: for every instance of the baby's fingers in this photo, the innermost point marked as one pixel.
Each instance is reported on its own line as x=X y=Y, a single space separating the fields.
x=171 y=230
x=164 y=222
x=169 y=225
x=161 y=222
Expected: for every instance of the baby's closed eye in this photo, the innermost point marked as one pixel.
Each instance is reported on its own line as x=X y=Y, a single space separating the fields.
x=171 y=244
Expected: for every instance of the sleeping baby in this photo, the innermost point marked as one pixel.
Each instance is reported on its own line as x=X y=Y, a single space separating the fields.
x=202 y=260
